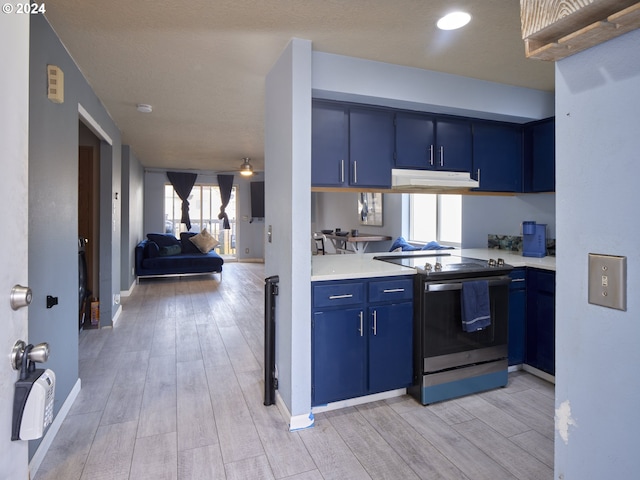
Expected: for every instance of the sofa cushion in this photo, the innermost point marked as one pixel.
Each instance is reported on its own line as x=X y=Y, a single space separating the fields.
x=187 y=245
x=204 y=241
x=151 y=250
x=163 y=239
x=170 y=250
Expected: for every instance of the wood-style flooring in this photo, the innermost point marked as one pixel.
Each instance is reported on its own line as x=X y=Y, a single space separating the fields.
x=175 y=391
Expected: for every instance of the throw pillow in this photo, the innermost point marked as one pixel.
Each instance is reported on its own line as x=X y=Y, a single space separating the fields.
x=403 y=244
x=170 y=250
x=163 y=239
x=187 y=245
x=204 y=241
x=151 y=250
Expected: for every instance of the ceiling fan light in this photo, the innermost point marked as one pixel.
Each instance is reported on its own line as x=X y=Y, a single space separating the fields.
x=246 y=169
x=454 y=20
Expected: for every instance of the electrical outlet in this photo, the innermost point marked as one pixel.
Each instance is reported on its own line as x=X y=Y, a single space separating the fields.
x=246 y=250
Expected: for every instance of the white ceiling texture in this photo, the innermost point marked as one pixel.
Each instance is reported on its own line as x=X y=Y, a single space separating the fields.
x=202 y=64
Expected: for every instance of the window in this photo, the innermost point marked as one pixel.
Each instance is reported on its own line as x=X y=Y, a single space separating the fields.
x=435 y=217
x=204 y=207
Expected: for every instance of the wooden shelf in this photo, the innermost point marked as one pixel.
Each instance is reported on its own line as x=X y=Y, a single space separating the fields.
x=554 y=29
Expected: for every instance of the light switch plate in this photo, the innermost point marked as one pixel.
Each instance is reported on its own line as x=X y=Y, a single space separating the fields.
x=608 y=281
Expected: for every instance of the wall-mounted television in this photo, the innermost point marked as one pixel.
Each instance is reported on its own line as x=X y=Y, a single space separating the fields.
x=257 y=199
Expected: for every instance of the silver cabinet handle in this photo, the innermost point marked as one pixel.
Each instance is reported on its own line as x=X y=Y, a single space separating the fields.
x=355 y=171
x=342 y=171
x=361 y=329
x=393 y=290
x=441 y=156
x=431 y=155
x=375 y=322
x=478 y=176
x=517 y=280
x=337 y=297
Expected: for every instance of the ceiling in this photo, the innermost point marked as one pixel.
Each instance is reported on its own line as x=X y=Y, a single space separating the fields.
x=202 y=64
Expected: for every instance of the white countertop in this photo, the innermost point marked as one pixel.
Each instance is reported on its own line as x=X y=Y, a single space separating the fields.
x=346 y=266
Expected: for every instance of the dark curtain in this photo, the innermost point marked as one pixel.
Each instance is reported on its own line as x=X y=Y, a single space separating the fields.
x=182 y=184
x=225 y=182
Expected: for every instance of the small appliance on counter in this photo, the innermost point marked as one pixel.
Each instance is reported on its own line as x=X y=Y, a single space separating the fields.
x=534 y=239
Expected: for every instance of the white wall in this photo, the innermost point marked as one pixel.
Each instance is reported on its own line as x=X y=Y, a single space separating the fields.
x=365 y=81
x=597 y=172
x=288 y=207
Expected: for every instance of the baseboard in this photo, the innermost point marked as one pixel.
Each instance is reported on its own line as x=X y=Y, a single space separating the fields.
x=250 y=260
x=539 y=373
x=127 y=293
x=47 y=440
x=296 y=422
x=116 y=317
x=359 y=400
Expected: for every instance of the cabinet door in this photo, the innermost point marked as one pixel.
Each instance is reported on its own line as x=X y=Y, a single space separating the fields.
x=329 y=145
x=415 y=141
x=390 y=346
x=339 y=355
x=540 y=352
x=453 y=145
x=540 y=156
x=497 y=157
x=371 y=146
x=517 y=316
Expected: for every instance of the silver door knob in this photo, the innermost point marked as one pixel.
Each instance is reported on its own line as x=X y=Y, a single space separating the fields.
x=20 y=297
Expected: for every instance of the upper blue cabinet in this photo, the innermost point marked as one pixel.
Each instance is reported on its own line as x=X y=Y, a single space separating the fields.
x=497 y=157
x=540 y=156
x=424 y=142
x=356 y=146
x=329 y=144
x=351 y=146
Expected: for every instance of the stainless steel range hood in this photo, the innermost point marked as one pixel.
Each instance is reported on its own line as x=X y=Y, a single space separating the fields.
x=425 y=180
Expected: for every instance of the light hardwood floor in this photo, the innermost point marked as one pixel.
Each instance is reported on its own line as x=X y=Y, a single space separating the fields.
x=175 y=391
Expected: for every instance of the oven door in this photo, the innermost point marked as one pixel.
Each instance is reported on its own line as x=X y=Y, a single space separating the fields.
x=444 y=344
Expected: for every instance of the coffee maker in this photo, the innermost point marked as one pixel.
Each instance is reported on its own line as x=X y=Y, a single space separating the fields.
x=534 y=239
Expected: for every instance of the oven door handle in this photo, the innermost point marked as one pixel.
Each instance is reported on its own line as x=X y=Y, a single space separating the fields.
x=443 y=287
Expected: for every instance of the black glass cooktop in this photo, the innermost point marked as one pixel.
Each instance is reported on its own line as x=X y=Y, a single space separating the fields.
x=447 y=264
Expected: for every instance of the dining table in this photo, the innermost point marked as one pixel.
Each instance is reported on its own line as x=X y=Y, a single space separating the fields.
x=354 y=243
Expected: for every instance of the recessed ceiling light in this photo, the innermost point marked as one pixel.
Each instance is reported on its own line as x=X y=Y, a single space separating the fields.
x=453 y=20
x=144 y=108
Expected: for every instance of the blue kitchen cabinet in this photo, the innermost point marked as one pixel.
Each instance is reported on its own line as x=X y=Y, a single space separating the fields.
x=497 y=157
x=540 y=323
x=329 y=144
x=390 y=346
x=453 y=145
x=361 y=344
x=415 y=141
x=371 y=147
x=540 y=156
x=339 y=355
x=431 y=143
x=517 y=316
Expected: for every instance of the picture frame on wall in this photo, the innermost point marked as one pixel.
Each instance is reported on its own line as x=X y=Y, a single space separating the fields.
x=370 y=208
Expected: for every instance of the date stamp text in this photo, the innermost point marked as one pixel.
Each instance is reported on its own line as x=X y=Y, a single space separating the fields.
x=24 y=8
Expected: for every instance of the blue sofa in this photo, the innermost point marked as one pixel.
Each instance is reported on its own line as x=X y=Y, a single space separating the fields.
x=162 y=255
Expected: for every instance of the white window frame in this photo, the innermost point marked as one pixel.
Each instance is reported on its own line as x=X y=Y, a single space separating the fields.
x=439 y=217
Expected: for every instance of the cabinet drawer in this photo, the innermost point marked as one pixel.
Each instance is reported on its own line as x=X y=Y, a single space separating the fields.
x=391 y=290
x=518 y=279
x=337 y=294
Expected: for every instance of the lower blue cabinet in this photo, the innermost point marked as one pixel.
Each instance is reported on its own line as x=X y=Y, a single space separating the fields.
x=365 y=347
x=517 y=315
x=541 y=316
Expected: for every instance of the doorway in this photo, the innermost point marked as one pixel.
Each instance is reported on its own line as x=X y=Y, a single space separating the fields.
x=88 y=221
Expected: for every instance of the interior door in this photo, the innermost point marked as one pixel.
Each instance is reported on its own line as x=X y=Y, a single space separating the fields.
x=14 y=138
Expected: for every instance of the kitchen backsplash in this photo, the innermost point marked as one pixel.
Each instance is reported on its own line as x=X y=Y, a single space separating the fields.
x=513 y=243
